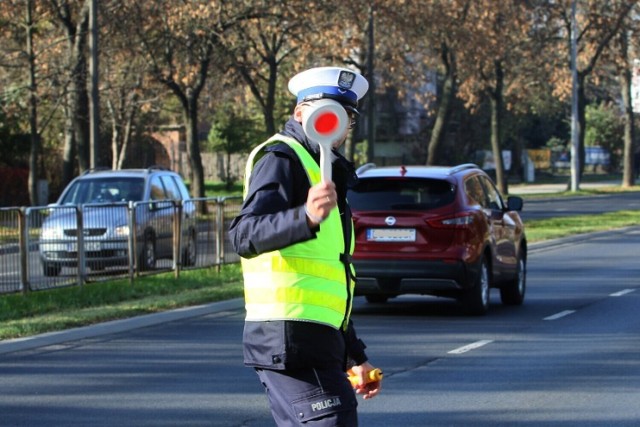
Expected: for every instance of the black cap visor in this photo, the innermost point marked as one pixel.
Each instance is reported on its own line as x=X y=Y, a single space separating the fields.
x=348 y=105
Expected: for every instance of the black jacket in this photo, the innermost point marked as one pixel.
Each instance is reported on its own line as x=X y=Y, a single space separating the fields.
x=272 y=217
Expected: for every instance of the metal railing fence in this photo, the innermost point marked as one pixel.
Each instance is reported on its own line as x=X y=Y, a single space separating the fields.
x=53 y=246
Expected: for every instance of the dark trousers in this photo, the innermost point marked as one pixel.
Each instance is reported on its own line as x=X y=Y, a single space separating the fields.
x=310 y=397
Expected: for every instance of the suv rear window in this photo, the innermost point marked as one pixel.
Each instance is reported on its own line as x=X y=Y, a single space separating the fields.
x=382 y=194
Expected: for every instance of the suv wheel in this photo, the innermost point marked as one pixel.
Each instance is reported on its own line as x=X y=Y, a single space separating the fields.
x=50 y=269
x=513 y=292
x=476 y=299
x=190 y=253
x=148 y=254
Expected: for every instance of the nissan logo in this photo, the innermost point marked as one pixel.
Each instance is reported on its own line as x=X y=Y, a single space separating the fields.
x=390 y=221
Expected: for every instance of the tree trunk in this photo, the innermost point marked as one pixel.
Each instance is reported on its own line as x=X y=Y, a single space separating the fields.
x=122 y=119
x=78 y=97
x=228 y=180
x=126 y=137
x=270 y=103
x=442 y=119
x=582 y=120
x=444 y=109
x=496 y=125
x=628 y=178
x=628 y=166
x=69 y=151
x=193 y=147
x=80 y=111
x=115 y=136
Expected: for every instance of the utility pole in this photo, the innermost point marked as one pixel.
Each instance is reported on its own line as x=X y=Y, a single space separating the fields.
x=94 y=99
x=34 y=156
x=575 y=129
x=371 y=109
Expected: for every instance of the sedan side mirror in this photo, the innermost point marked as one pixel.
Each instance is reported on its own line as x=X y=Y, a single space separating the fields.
x=515 y=203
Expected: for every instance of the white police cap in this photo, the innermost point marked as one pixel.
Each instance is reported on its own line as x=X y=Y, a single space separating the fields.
x=340 y=84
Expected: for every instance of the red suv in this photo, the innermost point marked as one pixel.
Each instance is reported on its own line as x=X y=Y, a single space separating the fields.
x=443 y=231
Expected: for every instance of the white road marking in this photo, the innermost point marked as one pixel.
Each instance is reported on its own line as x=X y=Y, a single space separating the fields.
x=471 y=346
x=623 y=292
x=559 y=315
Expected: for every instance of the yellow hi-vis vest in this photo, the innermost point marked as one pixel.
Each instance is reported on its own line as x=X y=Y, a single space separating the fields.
x=306 y=281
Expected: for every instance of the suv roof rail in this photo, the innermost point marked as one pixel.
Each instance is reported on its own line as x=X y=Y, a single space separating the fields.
x=157 y=167
x=365 y=168
x=462 y=167
x=96 y=169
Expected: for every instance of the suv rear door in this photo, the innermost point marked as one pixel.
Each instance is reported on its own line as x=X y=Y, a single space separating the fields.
x=504 y=229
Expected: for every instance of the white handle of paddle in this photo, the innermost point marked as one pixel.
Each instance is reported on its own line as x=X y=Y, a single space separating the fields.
x=325 y=121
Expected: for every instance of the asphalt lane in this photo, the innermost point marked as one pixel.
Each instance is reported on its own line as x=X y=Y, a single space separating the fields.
x=512 y=367
x=568 y=357
x=177 y=373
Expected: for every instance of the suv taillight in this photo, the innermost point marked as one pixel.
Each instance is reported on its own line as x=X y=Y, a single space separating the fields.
x=462 y=220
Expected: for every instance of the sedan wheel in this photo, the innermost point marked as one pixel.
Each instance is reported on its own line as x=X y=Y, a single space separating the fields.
x=148 y=254
x=190 y=253
x=50 y=269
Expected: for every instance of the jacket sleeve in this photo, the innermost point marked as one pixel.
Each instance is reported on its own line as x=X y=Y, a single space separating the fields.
x=272 y=216
x=355 y=346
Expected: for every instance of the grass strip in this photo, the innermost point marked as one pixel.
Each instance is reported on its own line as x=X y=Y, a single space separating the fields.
x=57 y=309
x=554 y=228
x=580 y=193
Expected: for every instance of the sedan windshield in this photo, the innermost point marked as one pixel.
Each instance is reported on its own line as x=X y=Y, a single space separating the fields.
x=104 y=190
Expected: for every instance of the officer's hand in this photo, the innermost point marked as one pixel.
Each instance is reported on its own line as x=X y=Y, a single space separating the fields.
x=321 y=199
x=366 y=389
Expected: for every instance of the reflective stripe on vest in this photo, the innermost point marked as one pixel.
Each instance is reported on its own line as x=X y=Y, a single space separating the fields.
x=305 y=281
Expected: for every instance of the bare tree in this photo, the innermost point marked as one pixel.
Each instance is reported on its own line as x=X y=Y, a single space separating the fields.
x=258 y=49
x=20 y=53
x=495 y=44
x=74 y=20
x=598 y=24
x=179 y=41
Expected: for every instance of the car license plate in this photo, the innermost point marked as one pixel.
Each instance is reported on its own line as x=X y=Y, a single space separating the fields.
x=391 y=234
x=88 y=247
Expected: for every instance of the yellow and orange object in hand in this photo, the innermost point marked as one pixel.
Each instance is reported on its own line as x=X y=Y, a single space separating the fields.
x=372 y=376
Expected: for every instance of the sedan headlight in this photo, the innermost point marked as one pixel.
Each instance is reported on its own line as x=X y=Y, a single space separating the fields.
x=51 y=233
x=122 y=231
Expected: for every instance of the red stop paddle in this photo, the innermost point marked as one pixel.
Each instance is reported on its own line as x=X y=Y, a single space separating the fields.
x=325 y=121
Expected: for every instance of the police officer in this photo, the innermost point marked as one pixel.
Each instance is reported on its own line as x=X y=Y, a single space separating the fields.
x=294 y=234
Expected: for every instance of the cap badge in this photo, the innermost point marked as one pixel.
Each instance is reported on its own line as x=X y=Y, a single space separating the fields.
x=346 y=79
